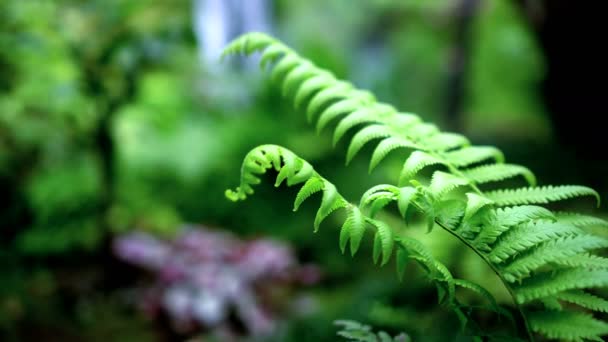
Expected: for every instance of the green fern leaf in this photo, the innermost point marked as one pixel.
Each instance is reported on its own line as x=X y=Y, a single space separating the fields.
x=368 y=114
x=569 y=326
x=331 y=202
x=294 y=78
x=585 y=260
x=498 y=172
x=551 y=251
x=474 y=204
x=336 y=110
x=551 y=283
x=473 y=155
x=272 y=53
x=584 y=299
x=540 y=195
x=383 y=241
x=283 y=66
x=382 y=189
x=340 y=90
x=312 y=186
x=379 y=204
x=364 y=136
x=582 y=221
x=406 y=195
x=513 y=216
x=445 y=141
x=312 y=85
x=417 y=161
x=363 y=115
x=442 y=183
x=422 y=131
x=353 y=230
x=520 y=238
x=386 y=146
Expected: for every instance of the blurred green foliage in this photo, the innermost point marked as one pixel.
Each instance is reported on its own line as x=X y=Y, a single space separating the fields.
x=110 y=122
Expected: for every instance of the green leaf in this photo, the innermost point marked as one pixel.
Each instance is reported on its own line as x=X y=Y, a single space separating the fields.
x=565 y=325
x=527 y=235
x=473 y=155
x=284 y=65
x=540 y=195
x=551 y=251
x=442 y=183
x=416 y=162
x=331 y=202
x=336 y=110
x=272 y=54
x=498 y=172
x=474 y=204
x=445 y=141
x=366 y=114
x=312 y=85
x=386 y=146
x=338 y=90
x=297 y=75
x=383 y=241
x=364 y=136
x=547 y=284
x=585 y=300
x=580 y=220
x=312 y=186
x=405 y=197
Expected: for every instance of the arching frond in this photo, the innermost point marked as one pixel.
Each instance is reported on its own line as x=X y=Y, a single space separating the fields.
x=543 y=258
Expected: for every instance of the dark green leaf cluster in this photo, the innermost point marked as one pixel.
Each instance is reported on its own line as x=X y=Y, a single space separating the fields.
x=545 y=259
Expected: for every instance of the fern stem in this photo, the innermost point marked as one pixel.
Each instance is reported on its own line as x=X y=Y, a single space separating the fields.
x=495 y=270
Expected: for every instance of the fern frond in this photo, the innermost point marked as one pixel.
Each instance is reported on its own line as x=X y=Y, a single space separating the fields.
x=312 y=186
x=586 y=260
x=474 y=204
x=473 y=155
x=283 y=66
x=417 y=161
x=406 y=195
x=296 y=76
x=364 y=136
x=581 y=220
x=551 y=283
x=388 y=145
x=312 y=85
x=383 y=241
x=367 y=114
x=498 y=172
x=330 y=202
x=527 y=235
x=442 y=183
x=251 y=42
x=353 y=230
x=584 y=299
x=537 y=254
x=569 y=326
x=551 y=251
x=512 y=216
x=540 y=195
x=445 y=141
